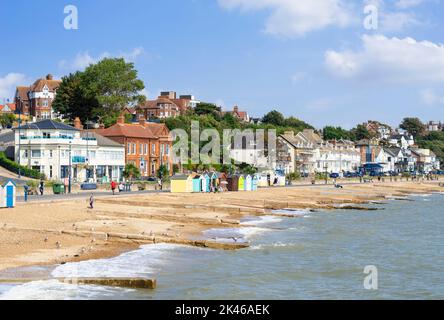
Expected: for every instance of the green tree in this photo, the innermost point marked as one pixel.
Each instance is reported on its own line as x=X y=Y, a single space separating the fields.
x=131 y=172
x=7 y=120
x=336 y=133
x=204 y=108
x=414 y=126
x=163 y=173
x=274 y=118
x=100 y=92
x=360 y=132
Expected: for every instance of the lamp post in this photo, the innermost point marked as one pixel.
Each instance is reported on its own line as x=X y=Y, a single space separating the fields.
x=19 y=142
x=70 y=167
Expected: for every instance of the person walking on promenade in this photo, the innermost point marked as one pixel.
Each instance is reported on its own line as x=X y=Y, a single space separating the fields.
x=113 y=187
x=42 y=187
x=159 y=182
x=91 y=201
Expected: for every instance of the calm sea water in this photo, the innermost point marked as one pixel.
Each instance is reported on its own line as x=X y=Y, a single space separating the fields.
x=319 y=255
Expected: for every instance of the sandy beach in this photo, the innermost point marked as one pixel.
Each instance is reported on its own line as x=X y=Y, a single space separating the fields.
x=51 y=233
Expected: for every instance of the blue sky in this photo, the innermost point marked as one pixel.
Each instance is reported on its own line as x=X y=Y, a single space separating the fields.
x=312 y=59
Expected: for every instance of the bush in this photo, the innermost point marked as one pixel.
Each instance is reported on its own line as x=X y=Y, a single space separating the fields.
x=294 y=176
x=14 y=167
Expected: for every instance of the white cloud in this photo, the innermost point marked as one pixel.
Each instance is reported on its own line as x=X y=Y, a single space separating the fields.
x=84 y=59
x=389 y=60
x=9 y=83
x=431 y=98
x=295 y=18
x=406 y=4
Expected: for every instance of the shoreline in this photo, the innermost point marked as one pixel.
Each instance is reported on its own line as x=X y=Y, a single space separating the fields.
x=166 y=216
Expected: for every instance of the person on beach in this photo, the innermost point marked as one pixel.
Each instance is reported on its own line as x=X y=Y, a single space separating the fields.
x=121 y=187
x=159 y=182
x=91 y=201
x=113 y=187
x=42 y=187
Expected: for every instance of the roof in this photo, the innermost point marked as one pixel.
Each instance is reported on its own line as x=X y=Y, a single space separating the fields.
x=48 y=125
x=393 y=151
x=10 y=107
x=22 y=93
x=39 y=84
x=127 y=130
x=179 y=177
x=154 y=104
x=101 y=140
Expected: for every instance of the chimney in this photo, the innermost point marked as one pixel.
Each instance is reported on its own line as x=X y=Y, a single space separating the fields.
x=142 y=120
x=121 y=119
x=49 y=77
x=78 y=124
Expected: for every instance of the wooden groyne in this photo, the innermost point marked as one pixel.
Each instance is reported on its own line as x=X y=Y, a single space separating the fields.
x=130 y=283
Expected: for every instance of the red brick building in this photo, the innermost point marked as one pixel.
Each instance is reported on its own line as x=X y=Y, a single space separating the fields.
x=147 y=145
x=167 y=105
x=36 y=100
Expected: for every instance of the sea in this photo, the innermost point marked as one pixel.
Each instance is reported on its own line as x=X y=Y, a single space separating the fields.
x=313 y=255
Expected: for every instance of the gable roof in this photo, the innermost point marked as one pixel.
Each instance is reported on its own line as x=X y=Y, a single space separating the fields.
x=22 y=93
x=48 y=125
x=39 y=84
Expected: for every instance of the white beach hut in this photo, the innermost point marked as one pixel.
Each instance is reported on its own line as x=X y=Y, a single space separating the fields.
x=8 y=194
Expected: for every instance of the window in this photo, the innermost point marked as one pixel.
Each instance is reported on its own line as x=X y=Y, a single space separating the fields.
x=36 y=154
x=161 y=150
x=153 y=149
x=134 y=151
x=25 y=155
x=50 y=153
x=167 y=150
x=50 y=171
x=129 y=148
x=146 y=149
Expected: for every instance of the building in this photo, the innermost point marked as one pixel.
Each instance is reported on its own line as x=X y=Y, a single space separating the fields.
x=7 y=108
x=36 y=100
x=56 y=149
x=338 y=156
x=426 y=160
x=167 y=105
x=251 y=153
x=240 y=115
x=377 y=129
x=403 y=141
x=369 y=149
x=296 y=152
x=147 y=145
x=433 y=126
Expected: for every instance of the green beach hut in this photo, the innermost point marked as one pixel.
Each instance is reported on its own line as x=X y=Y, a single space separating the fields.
x=241 y=183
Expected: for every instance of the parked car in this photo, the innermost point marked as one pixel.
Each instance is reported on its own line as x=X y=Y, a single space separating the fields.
x=334 y=175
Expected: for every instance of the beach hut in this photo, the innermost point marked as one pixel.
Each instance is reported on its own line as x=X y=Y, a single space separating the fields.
x=180 y=184
x=233 y=183
x=248 y=186
x=8 y=194
x=197 y=183
x=241 y=183
x=206 y=183
x=254 y=183
x=262 y=180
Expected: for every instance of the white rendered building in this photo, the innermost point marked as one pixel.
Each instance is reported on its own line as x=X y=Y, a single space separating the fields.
x=53 y=148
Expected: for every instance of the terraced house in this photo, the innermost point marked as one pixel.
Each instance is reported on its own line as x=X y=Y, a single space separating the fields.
x=147 y=145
